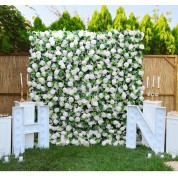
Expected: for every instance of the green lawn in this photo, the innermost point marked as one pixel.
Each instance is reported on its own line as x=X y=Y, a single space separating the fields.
x=93 y=158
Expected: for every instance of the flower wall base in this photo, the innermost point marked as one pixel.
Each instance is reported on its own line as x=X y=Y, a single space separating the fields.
x=87 y=79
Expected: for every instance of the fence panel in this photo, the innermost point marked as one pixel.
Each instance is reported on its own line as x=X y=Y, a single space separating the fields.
x=11 y=66
x=164 y=66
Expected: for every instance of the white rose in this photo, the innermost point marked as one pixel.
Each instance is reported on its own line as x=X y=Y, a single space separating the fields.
x=48 y=45
x=30 y=38
x=29 y=70
x=34 y=65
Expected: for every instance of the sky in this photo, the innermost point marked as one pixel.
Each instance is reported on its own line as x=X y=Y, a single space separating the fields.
x=86 y=11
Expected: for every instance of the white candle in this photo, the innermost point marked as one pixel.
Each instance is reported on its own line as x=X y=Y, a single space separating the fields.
x=153 y=81
x=21 y=79
x=27 y=79
x=147 y=81
x=158 y=81
x=6 y=159
x=20 y=158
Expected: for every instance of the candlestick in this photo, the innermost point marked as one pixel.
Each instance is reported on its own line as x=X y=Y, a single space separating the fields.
x=147 y=81
x=21 y=99
x=21 y=83
x=158 y=81
x=153 y=81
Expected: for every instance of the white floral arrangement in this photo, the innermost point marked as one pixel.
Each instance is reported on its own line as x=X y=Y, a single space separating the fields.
x=87 y=79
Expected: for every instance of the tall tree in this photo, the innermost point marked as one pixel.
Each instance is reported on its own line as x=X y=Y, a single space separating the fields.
x=120 y=19
x=94 y=23
x=105 y=19
x=38 y=25
x=14 y=35
x=146 y=26
x=77 y=23
x=63 y=22
x=175 y=34
x=163 y=40
x=132 y=23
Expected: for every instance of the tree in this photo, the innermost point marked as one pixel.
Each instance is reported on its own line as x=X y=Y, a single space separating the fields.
x=14 y=35
x=132 y=23
x=175 y=34
x=100 y=21
x=163 y=40
x=105 y=19
x=38 y=25
x=68 y=23
x=77 y=23
x=94 y=24
x=146 y=26
x=120 y=19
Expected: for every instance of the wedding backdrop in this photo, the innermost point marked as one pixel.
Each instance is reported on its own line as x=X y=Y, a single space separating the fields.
x=87 y=79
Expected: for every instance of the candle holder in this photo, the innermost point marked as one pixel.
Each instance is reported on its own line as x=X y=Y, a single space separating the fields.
x=152 y=94
x=157 y=94
x=21 y=99
x=148 y=93
x=28 y=98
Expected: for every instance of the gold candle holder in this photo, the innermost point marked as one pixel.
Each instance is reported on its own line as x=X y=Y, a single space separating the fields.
x=28 y=99
x=21 y=99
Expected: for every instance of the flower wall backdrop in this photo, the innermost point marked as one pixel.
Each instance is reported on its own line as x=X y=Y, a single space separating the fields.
x=87 y=79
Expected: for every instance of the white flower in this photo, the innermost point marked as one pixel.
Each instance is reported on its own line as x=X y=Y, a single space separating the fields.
x=141 y=46
x=124 y=95
x=48 y=45
x=30 y=38
x=56 y=110
x=34 y=66
x=49 y=84
x=71 y=99
x=63 y=118
x=29 y=70
x=141 y=72
x=128 y=80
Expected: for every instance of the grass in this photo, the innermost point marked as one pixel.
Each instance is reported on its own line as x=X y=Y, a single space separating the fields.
x=93 y=158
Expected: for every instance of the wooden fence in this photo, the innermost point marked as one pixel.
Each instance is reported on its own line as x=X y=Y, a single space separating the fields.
x=164 y=66
x=10 y=68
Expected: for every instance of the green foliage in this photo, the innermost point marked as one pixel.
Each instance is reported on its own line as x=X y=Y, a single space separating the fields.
x=93 y=24
x=6 y=45
x=68 y=23
x=175 y=34
x=105 y=19
x=100 y=21
x=120 y=19
x=13 y=30
x=132 y=22
x=38 y=25
x=77 y=23
x=163 y=40
x=146 y=26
